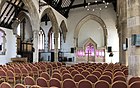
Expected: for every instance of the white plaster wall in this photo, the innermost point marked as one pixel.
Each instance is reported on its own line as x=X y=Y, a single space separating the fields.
x=107 y=15
x=10 y=46
x=91 y=29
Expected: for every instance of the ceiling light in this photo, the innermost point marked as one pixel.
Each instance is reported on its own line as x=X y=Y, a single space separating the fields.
x=105 y=6
x=86 y=6
x=93 y=9
x=88 y=9
x=103 y=1
x=107 y=3
x=96 y=1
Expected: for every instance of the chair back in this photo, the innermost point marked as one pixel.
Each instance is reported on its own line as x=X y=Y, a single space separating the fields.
x=101 y=84
x=5 y=85
x=119 y=84
x=85 y=84
x=92 y=78
x=55 y=83
x=78 y=77
x=42 y=82
x=69 y=83
x=20 y=86
x=66 y=76
x=135 y=84
x=28 y=80
x=45 y=75
x=133 y=79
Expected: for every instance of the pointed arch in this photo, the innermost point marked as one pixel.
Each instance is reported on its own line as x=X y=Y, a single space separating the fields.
x=64 y=30
x=85 y=19
x=52 y=18
x=22 y=15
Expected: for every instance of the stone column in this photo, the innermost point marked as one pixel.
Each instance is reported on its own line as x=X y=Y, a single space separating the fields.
x=56 y=47
x=133 y=27
x=122 y=29
x=35 y=45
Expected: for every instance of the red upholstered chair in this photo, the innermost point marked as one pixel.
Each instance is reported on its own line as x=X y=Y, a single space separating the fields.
x=42 y=82
x=108 y=73
x=18 y=74
x=97 y=73
x=85 y=84
x=55 y=83
x=45 y=75
x=11 y=77
x=35 y=71
x=133 y=79
x=117 y=70
x=62 y=68
x=74 y=72
x=119 y=78
x=3 y=75
x=92 y=78
x=135 y=84
x=106 y=78
x=69 y=83
x=119 y=84
x=66 y=76
x=56 y=71
x=125 y=71
x=119 y=74
x=78 y=77
x=28 y=81
x=85 y=73
x=5 y=85
x=71 y=69
x=80 y=70
x=19 y=86
x=89 y=70
x=98 y=69
x=101 y=84
x=57 y=75
x=65 y=71
x=29 y=70
x=24 y=72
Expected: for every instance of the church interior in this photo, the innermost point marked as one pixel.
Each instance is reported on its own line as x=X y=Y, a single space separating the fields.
x=69 y=43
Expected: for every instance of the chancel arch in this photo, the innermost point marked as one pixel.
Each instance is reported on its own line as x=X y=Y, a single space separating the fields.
x=91 y=39
x=83 y=21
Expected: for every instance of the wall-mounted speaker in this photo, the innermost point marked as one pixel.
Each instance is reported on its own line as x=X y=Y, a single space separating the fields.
x=109 y=49
x=72 y=50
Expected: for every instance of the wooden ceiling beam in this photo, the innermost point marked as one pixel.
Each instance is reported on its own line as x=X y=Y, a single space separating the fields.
x=16 y=6
x=5 y=9
x=83 y=5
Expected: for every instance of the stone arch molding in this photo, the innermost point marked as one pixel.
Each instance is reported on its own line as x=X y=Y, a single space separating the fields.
x=52 y=18
x=84 y=20
x=64 y=30
x=21 y=16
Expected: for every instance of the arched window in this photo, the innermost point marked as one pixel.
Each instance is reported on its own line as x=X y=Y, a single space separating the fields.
x=18 y=30
x=52 y=40
x=41 y=39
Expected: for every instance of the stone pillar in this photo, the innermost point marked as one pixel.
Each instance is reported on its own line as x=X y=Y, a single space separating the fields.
x=133 y=27
x=56 y=47
x=35 y=45
x=122 y=29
